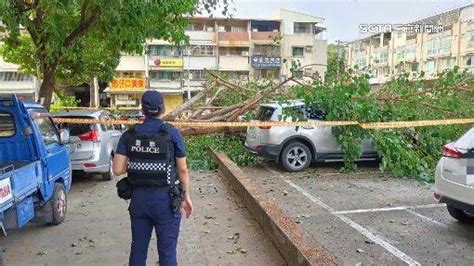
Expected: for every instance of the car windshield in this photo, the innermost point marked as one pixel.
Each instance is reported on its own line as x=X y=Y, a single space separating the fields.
x=76 y=129
x=265 y=113
x=466 y=142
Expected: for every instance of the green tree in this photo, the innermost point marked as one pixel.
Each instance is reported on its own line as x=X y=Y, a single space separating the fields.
x=336 y=62
x=74 y=39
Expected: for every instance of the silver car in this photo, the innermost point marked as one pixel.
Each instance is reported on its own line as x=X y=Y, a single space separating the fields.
x=93 y=146
x=296 y=147
x=454 y=178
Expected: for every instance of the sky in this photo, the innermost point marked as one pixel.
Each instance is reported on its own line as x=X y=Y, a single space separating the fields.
x=343 y=17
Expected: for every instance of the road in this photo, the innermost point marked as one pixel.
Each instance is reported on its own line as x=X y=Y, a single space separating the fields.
x=368 y=218
x=96 y=232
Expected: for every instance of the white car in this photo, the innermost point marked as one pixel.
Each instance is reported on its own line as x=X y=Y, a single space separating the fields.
x=297 y=147
x=454 y=178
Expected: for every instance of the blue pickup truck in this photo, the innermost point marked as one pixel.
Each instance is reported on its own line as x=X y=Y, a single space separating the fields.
x=35 y=165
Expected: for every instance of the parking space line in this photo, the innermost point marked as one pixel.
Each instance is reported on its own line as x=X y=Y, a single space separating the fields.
x=426 y=218
x=362 y=230
x=386 y=209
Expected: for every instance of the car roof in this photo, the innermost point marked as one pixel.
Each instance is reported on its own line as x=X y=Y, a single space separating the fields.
x=33 y=105
x=89 y=113
x=290 y=103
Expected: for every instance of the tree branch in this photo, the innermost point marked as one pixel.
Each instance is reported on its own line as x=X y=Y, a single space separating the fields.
x=84 y=25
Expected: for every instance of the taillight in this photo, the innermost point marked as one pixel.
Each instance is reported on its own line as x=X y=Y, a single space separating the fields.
x=450 y=151
x=90 y=136
x=265 y=127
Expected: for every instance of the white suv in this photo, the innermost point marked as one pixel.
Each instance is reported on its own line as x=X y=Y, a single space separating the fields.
x=454 y=178
x=296 y=147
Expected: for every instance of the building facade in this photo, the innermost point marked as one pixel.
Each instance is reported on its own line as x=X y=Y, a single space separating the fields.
x=236 y=48
x=432 y=45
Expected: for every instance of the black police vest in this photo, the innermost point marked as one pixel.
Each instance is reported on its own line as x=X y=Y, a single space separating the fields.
x=150 y=161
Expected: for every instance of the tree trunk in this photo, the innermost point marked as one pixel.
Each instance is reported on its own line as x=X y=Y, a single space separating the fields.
x=47 y=87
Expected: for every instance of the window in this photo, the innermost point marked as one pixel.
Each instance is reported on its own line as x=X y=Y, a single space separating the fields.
x=7 y=125
x=267 y=50
x=196 y=75
x=302 y=27
x=47 y=129
x=470 y=39
x=298 y=51
x=361 y=60
x=267 y=73
x=430 y=67
x=14 y=76
x=265 y=113
x=200 y=50
x=470 y=61
x=164 y=50
x=414 y=67
x=386 y=71
x=381 y=57
x=439 y=45
x=235 y=75
x=233 y=51
x=165 y=75
x=447 y=63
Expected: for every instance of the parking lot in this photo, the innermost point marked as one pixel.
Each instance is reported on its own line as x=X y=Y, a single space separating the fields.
x=221 y=231
x=367 y=217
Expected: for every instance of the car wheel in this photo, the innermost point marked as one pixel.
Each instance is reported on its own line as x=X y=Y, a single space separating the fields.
x=296 y=156
x=109 y=175
x=461 y=215
x=59 y=204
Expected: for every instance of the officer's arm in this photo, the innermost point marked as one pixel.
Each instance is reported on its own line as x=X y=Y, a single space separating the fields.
x=120 y=164
x=183 y=174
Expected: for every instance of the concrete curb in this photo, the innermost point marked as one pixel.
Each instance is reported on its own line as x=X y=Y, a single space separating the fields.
x=281 y=229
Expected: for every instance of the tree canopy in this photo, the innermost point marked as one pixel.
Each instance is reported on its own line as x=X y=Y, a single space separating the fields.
x=75 y=39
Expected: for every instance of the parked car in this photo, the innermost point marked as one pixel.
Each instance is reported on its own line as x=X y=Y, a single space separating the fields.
x=454 y=178
x=35 y=167
x=93 y=146
x=296 y=147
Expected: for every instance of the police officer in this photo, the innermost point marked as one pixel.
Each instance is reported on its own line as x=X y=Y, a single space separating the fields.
x=154 y=156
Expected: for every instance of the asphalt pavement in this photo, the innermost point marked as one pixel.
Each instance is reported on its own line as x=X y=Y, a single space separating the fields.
x=97 y=230
x=368 y=218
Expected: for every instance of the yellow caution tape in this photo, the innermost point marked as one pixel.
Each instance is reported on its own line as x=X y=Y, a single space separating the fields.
x=309 y=124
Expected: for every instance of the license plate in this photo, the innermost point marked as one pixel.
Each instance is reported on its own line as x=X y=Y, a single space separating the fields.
x=5 y=190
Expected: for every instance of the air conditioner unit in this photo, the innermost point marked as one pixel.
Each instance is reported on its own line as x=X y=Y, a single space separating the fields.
x=210 y=29
x=255 y=30
x=221 y=28
x=245 y=53
x=308 y=48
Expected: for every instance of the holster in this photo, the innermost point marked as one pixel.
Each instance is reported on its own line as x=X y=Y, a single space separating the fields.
x=176 y=197
x=124 y=189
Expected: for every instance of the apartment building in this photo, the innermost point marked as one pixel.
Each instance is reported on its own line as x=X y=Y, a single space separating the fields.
x=432 y=45
x=237 y=48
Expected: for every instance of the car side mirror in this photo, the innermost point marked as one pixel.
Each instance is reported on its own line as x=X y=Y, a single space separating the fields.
x=65 y=136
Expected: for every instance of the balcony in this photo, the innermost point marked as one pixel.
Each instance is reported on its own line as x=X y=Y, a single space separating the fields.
x=234 y=39
x=202 y=36
x=233 y=62
x=264 y=37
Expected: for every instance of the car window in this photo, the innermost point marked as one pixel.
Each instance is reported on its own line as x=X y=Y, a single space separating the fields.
x=7 y=125
x=47 y=129
x=76 y=129
x=315 y=113
x=296 y=113
x=466 y=142
x=265 y=113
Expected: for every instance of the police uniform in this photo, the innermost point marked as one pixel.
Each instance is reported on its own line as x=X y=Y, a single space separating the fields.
x=152 y=148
